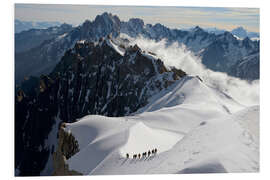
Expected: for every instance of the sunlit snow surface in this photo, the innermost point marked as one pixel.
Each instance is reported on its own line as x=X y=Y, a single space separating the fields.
x=195 y=128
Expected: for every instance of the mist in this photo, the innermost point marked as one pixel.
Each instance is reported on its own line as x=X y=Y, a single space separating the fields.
x=244 y=92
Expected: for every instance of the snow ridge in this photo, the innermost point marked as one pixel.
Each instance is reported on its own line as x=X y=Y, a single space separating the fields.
x=187 y=123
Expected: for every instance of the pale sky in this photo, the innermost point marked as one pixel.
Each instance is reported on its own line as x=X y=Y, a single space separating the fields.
x=173 y=17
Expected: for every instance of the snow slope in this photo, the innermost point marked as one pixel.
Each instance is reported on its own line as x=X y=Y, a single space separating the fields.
x=195 y=128
x=142 y=138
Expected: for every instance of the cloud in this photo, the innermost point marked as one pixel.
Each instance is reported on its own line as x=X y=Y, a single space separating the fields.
x=246 y=93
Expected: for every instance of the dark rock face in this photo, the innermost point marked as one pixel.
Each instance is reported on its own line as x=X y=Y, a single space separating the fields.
x=34 y=117
x=91 y=78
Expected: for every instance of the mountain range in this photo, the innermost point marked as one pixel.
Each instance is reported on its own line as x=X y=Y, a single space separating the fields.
x=85 y=96
x=43 y=57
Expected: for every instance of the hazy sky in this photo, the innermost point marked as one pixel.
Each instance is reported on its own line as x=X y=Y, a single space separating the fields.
x=174 y=17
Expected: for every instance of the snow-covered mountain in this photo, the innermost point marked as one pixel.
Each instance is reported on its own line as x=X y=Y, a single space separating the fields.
x=194 y=128
x=242 y=33
x=43 y=58
x=27 y=25
x=107 y=77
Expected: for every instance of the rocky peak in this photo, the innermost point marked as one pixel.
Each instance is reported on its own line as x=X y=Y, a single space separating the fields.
x=102 y=26
x=227 y=36
x=247 y=42
x=240 y=32
x=136 y=23
x=197 y=29
x=107 y=19
x=66 y=26
x=159 y=26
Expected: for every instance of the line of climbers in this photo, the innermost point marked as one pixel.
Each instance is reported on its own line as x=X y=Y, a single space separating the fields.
x=153 y=152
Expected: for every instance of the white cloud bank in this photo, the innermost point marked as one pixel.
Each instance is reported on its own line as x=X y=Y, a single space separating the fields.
x=246 y=93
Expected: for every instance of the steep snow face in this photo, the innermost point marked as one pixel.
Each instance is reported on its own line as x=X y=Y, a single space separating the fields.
x=192 y=135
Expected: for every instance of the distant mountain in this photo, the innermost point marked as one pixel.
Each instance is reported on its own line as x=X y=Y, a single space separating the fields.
x=249 y=66
x=239 y=32
x=29 y=39
x=215 y=30
x=242 y=33
x=226 y=51
x=26 y=25
x=107 y=78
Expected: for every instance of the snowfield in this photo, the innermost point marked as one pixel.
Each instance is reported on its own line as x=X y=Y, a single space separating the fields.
x=195 y=128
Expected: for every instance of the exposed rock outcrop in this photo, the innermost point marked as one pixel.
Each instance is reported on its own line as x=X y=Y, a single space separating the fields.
x=67 y=147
